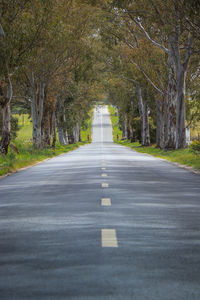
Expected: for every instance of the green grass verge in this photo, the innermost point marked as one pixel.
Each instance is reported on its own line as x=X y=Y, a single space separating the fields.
x=186 y=157
x=87 y=129
x=115 y=124
x=29 y=156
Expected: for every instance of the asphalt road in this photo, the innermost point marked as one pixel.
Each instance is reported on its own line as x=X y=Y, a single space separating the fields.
x=67 y=232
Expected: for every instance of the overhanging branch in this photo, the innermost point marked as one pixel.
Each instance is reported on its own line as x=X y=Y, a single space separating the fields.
x=148 y=37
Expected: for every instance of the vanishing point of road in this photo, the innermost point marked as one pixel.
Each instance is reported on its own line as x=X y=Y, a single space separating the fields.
x=101 y=222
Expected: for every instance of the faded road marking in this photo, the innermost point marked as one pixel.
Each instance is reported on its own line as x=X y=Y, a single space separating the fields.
x=104 y=185
x=109 y=238
x=104 y=175
x=105 y=202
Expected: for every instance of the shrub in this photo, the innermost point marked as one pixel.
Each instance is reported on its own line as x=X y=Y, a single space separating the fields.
x=14 y=126
x=195 y=145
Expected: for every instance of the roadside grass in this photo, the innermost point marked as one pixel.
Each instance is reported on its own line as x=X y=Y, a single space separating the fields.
x=115 y=124
x=186 y=156
x=29 y=156
x=86 y=131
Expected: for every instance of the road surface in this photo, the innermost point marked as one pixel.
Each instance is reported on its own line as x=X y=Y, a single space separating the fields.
x=101 y=222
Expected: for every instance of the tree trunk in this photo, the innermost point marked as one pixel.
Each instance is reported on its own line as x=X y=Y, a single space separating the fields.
x=128 y=130
x=159 y=125
x=132 y=131
x=54 y=129
x=76 y=133
x=61 y=137
x=80 y=135
x=46 y=129
x=5 y=99
x=132 y=134
x=144 y=120
x=170 y=106
x=180 y=113
x=37 y=97
x=181 y=63
x=124 y=128
x=146 y=125
x=5 y=140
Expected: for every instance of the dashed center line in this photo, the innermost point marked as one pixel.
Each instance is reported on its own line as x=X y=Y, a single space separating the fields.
x=105 y=185
x=104 y=175
x=103 y=168
x=105 y=202
x=109 y=238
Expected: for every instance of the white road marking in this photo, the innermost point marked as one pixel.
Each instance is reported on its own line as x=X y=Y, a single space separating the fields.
x=109 y=238
x=103 y=168
x=104 y=175
x=105 y=185
x=105 y=202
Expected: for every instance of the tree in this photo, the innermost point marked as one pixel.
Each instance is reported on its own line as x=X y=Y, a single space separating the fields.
x=162 y=25
x=18 y=37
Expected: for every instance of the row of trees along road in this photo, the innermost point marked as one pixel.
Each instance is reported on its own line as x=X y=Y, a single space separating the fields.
x=47 y=68
x=56 y=56
x=154 y=46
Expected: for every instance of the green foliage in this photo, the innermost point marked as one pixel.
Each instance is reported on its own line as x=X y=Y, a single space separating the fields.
x=195 y=146
x=184 y=156
x=28 y=155
x=117 y=130
x=115 y=124
x=14 y=126
x=86 y=128
x=188 y=157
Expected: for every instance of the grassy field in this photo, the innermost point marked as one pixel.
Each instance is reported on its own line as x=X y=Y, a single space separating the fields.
x=186 y=156
x=28 y=155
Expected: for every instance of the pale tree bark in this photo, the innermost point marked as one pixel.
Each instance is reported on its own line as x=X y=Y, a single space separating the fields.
x=65 y=136
x=128 y=129
x=159 y=124
x=170 y=106
x=46 y=125
x=62 y=133
x=181 y=71
x=37 y=105
x=146 y=124
x=143 y=112
x=181 y=114
x=62 y=136
x=54 y=129
x=124 y=128
x=131 y=132
x=175 y=55
x=144 y=120
x=181 y=64
x=76 y=133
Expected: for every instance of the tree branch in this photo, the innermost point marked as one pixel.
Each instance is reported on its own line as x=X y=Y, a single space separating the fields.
x=148 y=37
x=147 y=77
x=131 y=80
x=188 y=51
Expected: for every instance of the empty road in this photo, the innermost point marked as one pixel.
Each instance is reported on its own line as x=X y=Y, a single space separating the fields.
x=101 y=222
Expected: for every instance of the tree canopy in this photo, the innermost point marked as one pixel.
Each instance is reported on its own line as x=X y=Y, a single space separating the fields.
x=58 y=57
